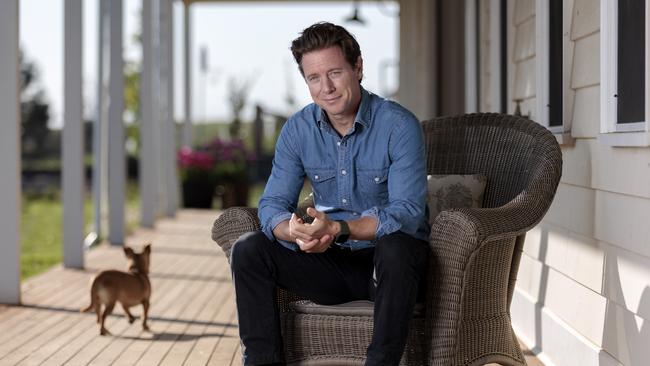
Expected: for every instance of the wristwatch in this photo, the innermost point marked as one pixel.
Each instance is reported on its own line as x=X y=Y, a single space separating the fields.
x=344 y=233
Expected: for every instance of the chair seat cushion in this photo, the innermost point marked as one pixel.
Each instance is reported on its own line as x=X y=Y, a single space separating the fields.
x=352 y=308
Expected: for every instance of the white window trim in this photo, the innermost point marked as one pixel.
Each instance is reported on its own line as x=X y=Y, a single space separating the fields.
x=542 y=41
x=611 y=132
x=471 y=57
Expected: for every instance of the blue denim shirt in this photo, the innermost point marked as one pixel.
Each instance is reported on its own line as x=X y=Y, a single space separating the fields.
x=377 y=169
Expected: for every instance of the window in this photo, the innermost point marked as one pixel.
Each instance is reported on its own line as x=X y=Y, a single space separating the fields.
x=550 y=85
x=630 y=91
x=555 y=63
x=624 y=73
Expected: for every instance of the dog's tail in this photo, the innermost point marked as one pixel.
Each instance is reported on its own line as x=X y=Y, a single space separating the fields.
x=88 y=308
x=94 y=300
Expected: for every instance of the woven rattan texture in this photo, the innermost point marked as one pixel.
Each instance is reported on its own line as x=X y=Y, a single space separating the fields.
x=474 y=257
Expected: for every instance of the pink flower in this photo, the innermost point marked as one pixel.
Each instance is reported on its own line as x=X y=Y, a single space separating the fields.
x=188 y=158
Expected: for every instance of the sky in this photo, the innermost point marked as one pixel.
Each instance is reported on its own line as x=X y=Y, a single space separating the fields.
x=244 y=42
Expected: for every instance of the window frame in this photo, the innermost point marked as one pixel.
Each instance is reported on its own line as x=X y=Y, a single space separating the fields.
x=611 y=132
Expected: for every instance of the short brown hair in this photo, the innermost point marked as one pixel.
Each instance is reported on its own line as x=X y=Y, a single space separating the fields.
x=323 y=35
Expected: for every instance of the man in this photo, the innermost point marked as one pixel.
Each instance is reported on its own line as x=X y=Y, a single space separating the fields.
x=364 y=156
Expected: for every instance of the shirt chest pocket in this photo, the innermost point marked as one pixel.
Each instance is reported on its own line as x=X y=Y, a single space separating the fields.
x=373 y=183
x=323 y=185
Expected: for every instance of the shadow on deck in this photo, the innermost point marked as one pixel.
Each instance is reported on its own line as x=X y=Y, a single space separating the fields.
x=192 y=316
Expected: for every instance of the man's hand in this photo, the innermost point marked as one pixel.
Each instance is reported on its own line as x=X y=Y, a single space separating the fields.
x=315 y=237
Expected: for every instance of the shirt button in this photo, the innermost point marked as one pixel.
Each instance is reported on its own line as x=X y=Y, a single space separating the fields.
x=315 y=176
x=338 y=143
x=355 y=214
x=376 y=179
x=344 y=172
x=344 y=200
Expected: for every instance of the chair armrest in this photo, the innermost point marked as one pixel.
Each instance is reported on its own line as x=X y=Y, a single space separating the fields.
x=514 y=218
x=457 y=236
x=233 y=223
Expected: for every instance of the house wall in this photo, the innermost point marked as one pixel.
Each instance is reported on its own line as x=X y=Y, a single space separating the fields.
x=583 y=293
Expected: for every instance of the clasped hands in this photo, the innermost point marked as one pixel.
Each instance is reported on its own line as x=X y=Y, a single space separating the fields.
x=315 y=237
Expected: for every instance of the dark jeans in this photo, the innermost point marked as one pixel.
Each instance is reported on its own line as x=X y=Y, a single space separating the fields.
x=333 y=277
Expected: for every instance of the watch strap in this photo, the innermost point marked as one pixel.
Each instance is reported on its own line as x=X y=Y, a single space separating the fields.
x=344 y=233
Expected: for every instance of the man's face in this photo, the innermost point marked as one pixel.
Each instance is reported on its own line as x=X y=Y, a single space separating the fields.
x=333 y=83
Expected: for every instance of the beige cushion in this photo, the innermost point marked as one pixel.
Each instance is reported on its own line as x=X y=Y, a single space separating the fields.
x=454 y=191
x=352 y=308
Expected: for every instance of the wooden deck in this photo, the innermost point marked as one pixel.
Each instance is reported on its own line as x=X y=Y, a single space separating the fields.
x=192 y=316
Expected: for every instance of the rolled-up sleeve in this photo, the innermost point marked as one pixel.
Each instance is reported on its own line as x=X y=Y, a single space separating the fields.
x=407 y=182
x=283 y=187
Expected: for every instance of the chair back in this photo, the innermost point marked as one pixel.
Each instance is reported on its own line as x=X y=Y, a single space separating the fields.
x=505 y=148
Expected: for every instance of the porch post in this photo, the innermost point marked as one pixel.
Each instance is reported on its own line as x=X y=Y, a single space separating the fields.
x=157 y=113
x=496 y=74
x=116 y=156
x=171 y=144
x=418 y=79
x=147 y=167
x=471 y=56
x=9 y=154
x=73 y=179
x=187 y=51
x=99 y=126
x=167 y=125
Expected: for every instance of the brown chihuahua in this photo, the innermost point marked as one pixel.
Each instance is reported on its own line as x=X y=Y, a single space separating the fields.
x=129 y=288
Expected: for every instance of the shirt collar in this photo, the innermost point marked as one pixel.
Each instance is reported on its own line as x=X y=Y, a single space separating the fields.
x=363 y=114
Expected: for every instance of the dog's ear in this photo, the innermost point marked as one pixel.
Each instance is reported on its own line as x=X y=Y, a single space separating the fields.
x=147 y=249
x=128 y=252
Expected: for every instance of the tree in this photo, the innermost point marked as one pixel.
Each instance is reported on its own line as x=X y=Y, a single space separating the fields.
x=34 y=111
x=237 y=96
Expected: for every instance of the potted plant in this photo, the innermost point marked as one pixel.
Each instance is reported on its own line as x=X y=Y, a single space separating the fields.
x=198 y=177
x=216 y=164
x=232 y=158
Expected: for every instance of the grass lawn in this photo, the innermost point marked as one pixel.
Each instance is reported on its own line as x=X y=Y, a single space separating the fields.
x=41 y=228
x=41 y=234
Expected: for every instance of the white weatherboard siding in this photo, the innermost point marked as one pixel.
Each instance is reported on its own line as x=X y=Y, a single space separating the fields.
x=586 y=109
x=583 y=289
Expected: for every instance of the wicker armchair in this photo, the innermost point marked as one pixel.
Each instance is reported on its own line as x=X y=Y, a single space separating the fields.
x=474 y=253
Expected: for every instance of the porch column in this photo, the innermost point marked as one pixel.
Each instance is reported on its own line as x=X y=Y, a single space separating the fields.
x=496 y=57
x=418 y=59
x=73 y=178
x=9 y=154
x=148 y=166
x=116 y=155
x=157 y=106
x=471 y=56
x=168 y=127
x=172 y=144
x=187 y=52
